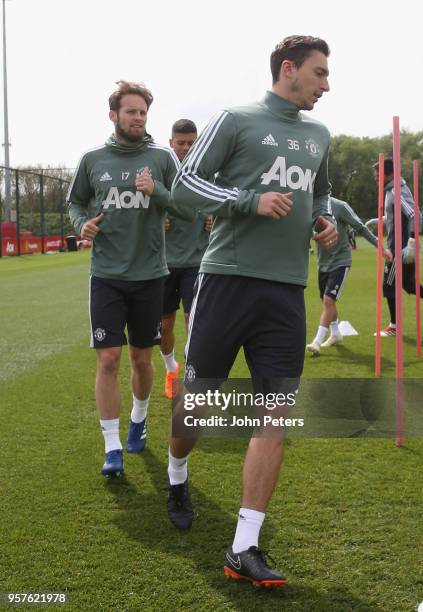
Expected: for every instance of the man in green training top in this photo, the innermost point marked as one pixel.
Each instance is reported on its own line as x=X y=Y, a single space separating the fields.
x=185 y=246
x=268 y=163
x=128 y=179
x=334 y=266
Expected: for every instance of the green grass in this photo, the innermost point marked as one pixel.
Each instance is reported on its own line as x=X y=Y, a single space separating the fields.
x=345 y=522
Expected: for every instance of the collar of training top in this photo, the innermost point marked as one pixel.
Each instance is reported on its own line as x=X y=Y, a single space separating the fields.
x=281 y=107
x=130 y=147
x=390 y=185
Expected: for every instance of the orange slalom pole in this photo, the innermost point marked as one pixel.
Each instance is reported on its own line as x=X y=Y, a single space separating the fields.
x=417 y=257
x=379 y=272
x=399 y=361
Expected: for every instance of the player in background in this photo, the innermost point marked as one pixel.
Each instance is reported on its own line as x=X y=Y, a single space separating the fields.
x=268 y=162
x=129 y=179
x=407 y=222
x=186 y=243
x=334 y=265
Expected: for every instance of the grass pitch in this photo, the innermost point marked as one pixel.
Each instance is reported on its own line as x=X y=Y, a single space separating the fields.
x=345 y=522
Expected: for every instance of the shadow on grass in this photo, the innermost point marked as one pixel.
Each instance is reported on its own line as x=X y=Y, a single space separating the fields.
x=143 y=517
x=364 y=360
x=410 y=340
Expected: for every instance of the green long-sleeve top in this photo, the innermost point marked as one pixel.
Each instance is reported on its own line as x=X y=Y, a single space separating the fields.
x=130 y=244
x=340 y=254
x=243 y=153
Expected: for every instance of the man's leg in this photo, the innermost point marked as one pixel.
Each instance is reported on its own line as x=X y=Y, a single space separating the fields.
x=108 y=318
x=108 y=404
x=330 y=319
x=142 y=374
x=331 y=285
x=171 y=300
x=261 y=471
x=167 y=351
x=107 y=391
x=167 y=343
x=142 y=371
x=260 y=475
x=392 y=310
x=275 y=356
x=389 y=294
x=327 y=318
x=330 y=312
x=212 y=345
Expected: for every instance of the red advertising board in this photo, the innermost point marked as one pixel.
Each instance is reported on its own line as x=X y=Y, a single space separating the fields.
x=31 y=244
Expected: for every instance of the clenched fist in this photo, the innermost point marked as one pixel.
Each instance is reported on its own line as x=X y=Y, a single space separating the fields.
x=90 y=228
x=275 y=205
x=144 y=182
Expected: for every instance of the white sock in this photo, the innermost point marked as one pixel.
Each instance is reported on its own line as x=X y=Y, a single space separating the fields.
x=320 y=336
x=170 y=362
x=334 y=329
x=392 y=324
x=247 y=529
x=139 y=409
x=177 y=469
x=110 y=429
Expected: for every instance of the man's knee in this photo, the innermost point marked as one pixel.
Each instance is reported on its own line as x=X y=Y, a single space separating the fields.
x=268 y=442
x=108 y=361
x=141 y=361
x=329 y=304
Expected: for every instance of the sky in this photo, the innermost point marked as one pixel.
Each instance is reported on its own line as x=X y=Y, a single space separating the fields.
x=64 y=57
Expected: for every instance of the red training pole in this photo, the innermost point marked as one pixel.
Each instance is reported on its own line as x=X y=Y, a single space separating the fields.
x=399 y=363
x=417 y=257
x=379 y=273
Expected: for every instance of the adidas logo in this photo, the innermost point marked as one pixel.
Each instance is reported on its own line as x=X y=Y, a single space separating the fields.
x=333 y=292
x=106 y=177
x=269 y=140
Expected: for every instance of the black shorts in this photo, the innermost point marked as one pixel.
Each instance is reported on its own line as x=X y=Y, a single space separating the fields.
x=332 y=283
x=408 y=279
x=264 y=317
x=116 y=304
x=179 y=285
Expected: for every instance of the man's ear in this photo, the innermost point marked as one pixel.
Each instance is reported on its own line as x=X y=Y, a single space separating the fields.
x=113 y=116
x=287 y=69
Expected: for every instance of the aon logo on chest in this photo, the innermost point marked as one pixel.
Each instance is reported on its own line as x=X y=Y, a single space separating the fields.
x=126 y=199
x=293 y=177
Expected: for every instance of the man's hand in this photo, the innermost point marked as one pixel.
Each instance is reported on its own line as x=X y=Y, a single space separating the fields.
x=90 y=228
x=388 y=255
x=167 y=224
x=275 y=205
x=144 y=182
x=208 y=223
x=327 y=234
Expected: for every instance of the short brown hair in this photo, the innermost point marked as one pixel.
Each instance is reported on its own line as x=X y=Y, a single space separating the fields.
x=129 y=87
x=296 y=49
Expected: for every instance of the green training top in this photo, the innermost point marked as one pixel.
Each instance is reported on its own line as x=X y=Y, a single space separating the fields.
x=247 y=151
x=186 y=242
x=340 y=254
x=130 y=244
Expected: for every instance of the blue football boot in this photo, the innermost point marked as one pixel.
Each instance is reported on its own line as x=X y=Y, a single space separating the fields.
x=137 y=436
x=113 y=465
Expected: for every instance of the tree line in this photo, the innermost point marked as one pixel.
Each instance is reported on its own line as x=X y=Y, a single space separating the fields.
x=351 y=173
